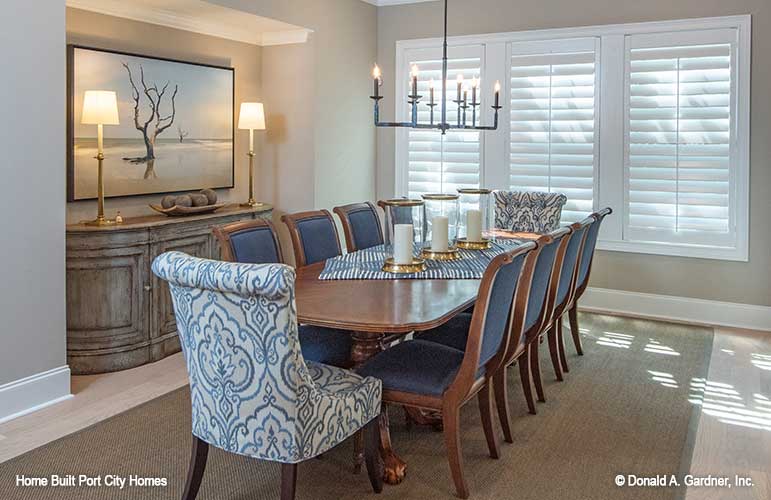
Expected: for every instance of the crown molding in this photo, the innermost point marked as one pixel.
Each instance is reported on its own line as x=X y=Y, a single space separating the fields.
x=241 y=32
x=386 y=3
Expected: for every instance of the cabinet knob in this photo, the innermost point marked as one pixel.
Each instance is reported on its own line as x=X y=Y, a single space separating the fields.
x=148 y=288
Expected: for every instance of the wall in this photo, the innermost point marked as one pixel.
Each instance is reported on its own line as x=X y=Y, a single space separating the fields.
x=345 y=48
x=33 y=199
x=748 y=283
x=108 y=32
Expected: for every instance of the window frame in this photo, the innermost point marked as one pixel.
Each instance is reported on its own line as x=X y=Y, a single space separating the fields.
x=610 y=98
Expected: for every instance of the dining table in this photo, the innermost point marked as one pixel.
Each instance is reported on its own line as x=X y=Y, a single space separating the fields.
x=377 y=312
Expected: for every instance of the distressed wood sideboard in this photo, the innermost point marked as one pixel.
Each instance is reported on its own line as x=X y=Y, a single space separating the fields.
x=119 y=315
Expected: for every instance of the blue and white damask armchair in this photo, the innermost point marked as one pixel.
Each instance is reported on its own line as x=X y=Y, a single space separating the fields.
x=252 y=392
x=528 y=211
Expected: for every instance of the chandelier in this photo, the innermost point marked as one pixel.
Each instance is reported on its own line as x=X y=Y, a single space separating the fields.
x=461 y=99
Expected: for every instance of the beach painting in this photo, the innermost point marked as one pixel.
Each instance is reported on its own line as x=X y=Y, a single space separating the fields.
x=175 y=132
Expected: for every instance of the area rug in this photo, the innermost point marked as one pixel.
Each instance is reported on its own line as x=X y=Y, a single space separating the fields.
x=622 y=410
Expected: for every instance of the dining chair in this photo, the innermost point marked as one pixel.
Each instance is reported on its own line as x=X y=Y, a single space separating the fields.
x=432 y=376
x=535 y=317
x=528 y=211
x=314 y=236
x=582 y=280
x=256 y=242
x=361 y=225
x=252 y=392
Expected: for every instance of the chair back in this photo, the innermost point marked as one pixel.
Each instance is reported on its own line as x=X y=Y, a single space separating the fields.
x=237 y=325
x=570 y=264
x=250 y=242
x=498 y=306
x=361 y=225
x=538 y=306
x=314 y=236
x=587 y=252
x=528 y=211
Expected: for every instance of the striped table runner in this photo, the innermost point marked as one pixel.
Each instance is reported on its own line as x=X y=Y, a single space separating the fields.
x=367 y=264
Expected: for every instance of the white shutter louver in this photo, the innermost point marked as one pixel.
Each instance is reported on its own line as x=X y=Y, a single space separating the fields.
x=443 y=163
x=678 y=140
x=553 y=144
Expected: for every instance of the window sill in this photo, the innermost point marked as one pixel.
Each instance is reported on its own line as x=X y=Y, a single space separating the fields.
x=690 y=251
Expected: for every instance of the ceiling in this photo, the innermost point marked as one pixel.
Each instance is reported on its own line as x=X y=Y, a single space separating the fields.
x=383 y=3
x=200 y=17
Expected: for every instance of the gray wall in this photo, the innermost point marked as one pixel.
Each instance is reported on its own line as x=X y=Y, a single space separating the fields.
x=108 y=32
x=741 y=282
x=33 y=199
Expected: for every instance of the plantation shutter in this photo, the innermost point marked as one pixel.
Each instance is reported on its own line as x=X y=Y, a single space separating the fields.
x=443 y=163
x=553 y=122
x=679 y=140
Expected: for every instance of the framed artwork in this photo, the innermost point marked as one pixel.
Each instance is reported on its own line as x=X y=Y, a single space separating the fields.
x=176 y=125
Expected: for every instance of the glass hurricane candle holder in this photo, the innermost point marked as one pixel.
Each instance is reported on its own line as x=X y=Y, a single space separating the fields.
x=477 y=216
x=440 y=226
x=404 y=234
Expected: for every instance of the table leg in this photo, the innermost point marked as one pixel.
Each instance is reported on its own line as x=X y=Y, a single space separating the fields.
x=364 y=346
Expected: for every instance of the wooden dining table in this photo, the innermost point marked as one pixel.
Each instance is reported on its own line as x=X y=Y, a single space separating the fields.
x=377 y=312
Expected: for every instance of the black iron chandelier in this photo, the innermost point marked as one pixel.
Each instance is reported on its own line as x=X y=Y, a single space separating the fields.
x=462 y=102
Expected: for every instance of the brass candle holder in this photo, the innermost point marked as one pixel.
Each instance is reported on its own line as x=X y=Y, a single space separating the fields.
x=447 y=255
x=474 y=245
x=416 y=266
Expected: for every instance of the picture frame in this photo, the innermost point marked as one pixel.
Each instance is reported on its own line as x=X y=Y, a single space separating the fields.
x=191 y=137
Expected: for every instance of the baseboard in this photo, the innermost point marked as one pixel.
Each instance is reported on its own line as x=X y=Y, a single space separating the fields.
x=679 y=309
x=32 y=393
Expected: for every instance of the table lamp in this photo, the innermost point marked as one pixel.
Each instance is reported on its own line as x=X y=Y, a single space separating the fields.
x=100 y=107
x=251 y=117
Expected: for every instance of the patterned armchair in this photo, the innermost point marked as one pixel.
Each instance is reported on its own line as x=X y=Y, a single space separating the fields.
x=252 y=393
x=529 y=211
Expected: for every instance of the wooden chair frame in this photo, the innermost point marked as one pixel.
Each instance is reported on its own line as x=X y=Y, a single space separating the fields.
x=344 y=213
x=466 y=384
x=223 y=234
x=291 y=220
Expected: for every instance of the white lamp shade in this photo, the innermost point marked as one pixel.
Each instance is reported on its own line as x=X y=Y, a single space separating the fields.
x=100 y=107
x=252 y=116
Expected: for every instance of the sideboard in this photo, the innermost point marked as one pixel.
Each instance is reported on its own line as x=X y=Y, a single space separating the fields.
x=119 y=315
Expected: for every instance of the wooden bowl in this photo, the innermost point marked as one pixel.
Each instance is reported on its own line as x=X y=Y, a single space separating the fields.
x=177 y=211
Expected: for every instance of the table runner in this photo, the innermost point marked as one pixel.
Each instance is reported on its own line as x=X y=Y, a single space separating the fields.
x=367 y=264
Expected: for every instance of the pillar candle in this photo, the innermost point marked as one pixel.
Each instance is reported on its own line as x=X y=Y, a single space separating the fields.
x=473 y=225
x=403 y=243
x=439 y=233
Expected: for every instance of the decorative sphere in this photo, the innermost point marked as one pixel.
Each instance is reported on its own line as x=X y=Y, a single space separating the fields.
x=199 y=200
x=211 y=195
x=167 y=201
x=183 y=201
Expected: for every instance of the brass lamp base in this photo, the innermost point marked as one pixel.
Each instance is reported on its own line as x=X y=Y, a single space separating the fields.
x=474 y=245
x=252 y=204
x=450 y=254
x=416 y=266
x=101 y=221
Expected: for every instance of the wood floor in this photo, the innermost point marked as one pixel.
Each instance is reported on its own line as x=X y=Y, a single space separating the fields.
x=733 y=435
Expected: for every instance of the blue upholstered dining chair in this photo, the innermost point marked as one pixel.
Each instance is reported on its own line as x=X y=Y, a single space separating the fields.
x=528 y=211
x=429 y=375
x=256 y=242
x=252 y=392
x=314 y=236
x=361 y=225
x=583 y=272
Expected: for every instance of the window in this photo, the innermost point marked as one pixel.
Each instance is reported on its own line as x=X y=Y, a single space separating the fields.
x=552 y=142
x=442 y=163
x=651 y=119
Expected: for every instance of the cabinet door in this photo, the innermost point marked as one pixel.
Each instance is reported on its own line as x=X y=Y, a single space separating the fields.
x=107 y=303
x=164 y=324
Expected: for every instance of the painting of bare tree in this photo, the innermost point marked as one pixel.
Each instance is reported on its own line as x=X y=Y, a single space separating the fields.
x=176 y=125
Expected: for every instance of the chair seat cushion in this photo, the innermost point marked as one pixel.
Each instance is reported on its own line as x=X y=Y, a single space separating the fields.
x=415 y=366
x=453 y=334
x=325 y=345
